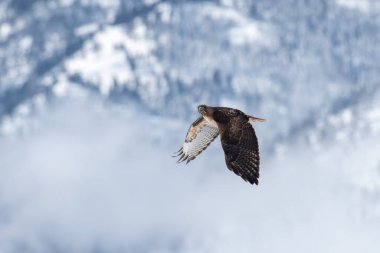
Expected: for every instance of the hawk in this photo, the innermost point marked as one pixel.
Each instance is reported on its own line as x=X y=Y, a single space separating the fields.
x=239 y=141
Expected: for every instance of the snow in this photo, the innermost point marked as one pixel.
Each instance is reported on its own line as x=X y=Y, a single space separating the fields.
x=23 y=110
x=86 y=29
x=150 y=2
x=103 y=66
x=66 y=3
x=26 y=43
x=246 y=34
x=139 y=45
x=8 y=127
x=373 y=115
x=61 y=87
x=96 y=95
x=244 y=30
x=103 y=61
x=5 y=31
x=165 y=11
x=361 y=5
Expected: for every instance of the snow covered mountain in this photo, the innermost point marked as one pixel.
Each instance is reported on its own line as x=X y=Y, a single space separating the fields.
x=293 y=61
x=95 y=95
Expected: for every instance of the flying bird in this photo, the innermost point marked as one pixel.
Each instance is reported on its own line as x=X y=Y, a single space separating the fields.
x=239 y=141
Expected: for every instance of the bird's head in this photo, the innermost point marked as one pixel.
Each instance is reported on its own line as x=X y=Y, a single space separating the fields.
x=202 y=109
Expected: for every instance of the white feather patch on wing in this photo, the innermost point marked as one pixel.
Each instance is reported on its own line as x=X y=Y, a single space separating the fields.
x=199 y=136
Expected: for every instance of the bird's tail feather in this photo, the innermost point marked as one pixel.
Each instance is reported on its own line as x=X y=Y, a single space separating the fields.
x=255 y=119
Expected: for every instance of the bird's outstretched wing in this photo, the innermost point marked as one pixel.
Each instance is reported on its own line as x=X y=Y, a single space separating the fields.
x=199 y=136
x=241 y=151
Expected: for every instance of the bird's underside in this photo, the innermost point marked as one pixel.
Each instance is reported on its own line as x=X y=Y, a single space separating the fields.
x=238 y=140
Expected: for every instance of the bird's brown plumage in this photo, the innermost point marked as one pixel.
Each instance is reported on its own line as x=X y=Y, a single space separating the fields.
x=238 y=139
